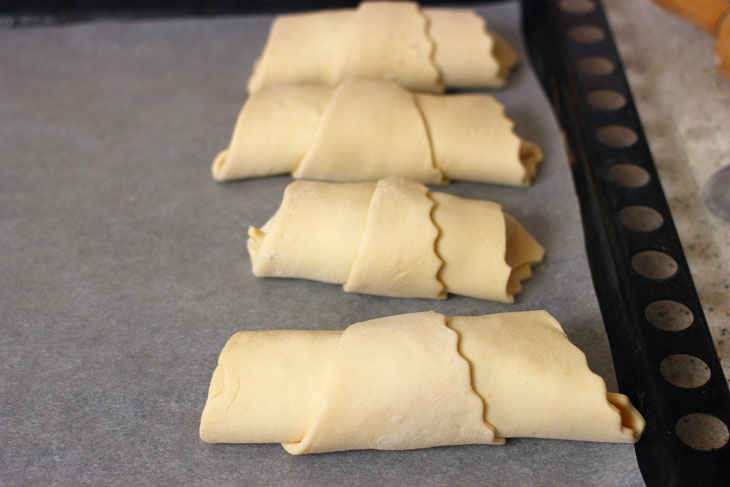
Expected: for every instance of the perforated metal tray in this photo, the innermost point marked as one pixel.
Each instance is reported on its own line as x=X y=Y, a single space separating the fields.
x=571 y=48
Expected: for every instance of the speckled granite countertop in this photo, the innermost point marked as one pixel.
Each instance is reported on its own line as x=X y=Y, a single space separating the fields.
x=684 y=106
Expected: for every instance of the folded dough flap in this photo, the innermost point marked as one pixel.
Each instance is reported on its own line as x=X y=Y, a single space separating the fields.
x=530 y=156
x=273 y=132
x=268 y=386
x=485 y=252
x=473 y=140
x=467 y=54
x=506 y=57
x=394 y=238
x=397 y=253
x=301 y=48
x=522 y=252
x=370 y=130
x=315 y=233
x=412 y=381
x=536 y=383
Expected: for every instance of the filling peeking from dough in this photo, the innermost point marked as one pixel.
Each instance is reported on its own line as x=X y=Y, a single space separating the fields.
x=394 y=238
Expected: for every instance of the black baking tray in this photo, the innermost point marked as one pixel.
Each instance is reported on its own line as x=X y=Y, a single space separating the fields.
x=623 y=294
x=563 y=65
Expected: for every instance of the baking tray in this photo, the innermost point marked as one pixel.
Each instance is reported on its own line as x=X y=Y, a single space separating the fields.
x=605 y=139
x=124 y=269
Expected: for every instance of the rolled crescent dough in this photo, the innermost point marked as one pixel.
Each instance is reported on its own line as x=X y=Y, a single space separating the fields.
x=412 y=381
x=394 y=238
x=365 y=130
x=433 y=48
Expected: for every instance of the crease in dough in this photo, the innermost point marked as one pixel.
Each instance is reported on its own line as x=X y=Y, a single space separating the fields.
x=474 y=140
x=434 y=48
x=412 y=381
x=364 y=130
x=301 y=47
x=439 y=273
x=394 y=238
x=273 y=132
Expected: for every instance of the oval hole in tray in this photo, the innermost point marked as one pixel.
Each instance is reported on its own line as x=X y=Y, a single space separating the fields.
x=596 y=66
x=606 y=99
x=640 y=218
x=668 y=315
x=654 y=264
x=628 y=175
x=617 y=136
x=684 y=370
x=586 y=34
x=702 y=432
x=577 y=7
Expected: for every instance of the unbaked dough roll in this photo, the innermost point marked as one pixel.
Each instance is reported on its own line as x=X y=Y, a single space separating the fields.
x=412 y=381
x=394 y=238
x=365 y=130
x=421 y=49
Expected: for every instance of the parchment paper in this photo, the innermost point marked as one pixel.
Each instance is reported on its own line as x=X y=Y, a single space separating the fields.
x=124 y=271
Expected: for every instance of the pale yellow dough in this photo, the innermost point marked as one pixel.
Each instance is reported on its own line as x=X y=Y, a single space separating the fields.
x=412 y=381
x=421 y=49
x=365 y=130
x=394 y=238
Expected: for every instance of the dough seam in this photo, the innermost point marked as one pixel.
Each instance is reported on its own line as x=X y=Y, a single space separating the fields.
x=444 y=292
x=498 y=440
x=357 y=251
x=427 y=128
x=235 y=395
x=316 y=135
x=440 y=85
x=296 y=447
